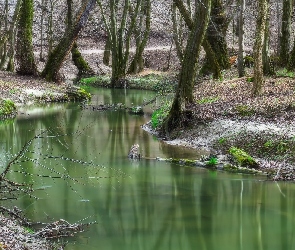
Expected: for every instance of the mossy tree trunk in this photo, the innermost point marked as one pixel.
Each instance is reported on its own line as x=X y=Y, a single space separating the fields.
x=24 y=47
x=84 y=70
x=141 y=33
x=216 y=34
x=179 y=112
x=258 y=47
x=286 y=32
x=59 y=53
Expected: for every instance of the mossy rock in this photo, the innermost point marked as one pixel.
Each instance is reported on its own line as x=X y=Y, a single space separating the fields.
x=7 y=108
x=136 y=110
x=242 y=158
x=78 y=94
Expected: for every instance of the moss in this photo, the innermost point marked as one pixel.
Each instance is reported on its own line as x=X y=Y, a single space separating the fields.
x=242 y=158
x=242 y=170
x=7 y=108
x=244 y=110
x=185 y=162
x=82 y=94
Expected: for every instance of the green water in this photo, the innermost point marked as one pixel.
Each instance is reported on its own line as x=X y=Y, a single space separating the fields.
x=138 y=205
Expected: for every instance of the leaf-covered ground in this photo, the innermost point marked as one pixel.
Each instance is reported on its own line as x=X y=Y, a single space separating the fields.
x=225 y=115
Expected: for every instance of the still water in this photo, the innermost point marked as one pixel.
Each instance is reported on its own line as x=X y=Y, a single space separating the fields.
x=143 y=204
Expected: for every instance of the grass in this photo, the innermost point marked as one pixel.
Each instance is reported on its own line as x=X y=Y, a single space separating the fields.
x=159 y=115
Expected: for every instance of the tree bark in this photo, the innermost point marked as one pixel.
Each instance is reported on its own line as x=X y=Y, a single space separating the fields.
x=84 y=70
x=286 y=32
x=184 y=94
x=24 y=48
x=58 y=55
x=258 y=47
x=107 y=52
x=212 y=60
x=216 y=34
x=241 y=53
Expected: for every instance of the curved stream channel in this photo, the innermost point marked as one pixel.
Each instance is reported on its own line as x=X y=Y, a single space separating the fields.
x=143 y=204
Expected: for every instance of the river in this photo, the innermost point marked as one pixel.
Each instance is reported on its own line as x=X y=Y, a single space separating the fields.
x=144 y=204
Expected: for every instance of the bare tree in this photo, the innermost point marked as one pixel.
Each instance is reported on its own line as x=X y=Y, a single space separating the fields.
x=120 y=22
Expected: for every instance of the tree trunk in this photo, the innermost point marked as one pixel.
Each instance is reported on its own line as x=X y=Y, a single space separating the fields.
x=267 y=68
x=58 y=55
x=3 y=53
x=107 y=52
x=24 y=48
x=241 y=55
x=119 y=34
x=211 y=64
x=258 y=47
x=216 y=33
x=137 y=64
x=12 y=36
x=84 y=70
x=184 y=94
x=286 y=32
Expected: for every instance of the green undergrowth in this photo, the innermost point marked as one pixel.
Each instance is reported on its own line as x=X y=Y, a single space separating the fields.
x=7 y=108
x=285 y=73
x=160 y=114
x=155 y=82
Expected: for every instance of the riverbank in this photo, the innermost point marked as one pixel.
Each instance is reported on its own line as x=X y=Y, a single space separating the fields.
x=27 y=90
x=14 y=236
x=225 y=115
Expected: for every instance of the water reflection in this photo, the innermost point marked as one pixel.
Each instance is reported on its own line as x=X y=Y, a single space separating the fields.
x=145 y=204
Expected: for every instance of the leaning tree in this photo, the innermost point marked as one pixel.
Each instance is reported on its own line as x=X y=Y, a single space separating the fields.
x=65 y=45
x=179 y=111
